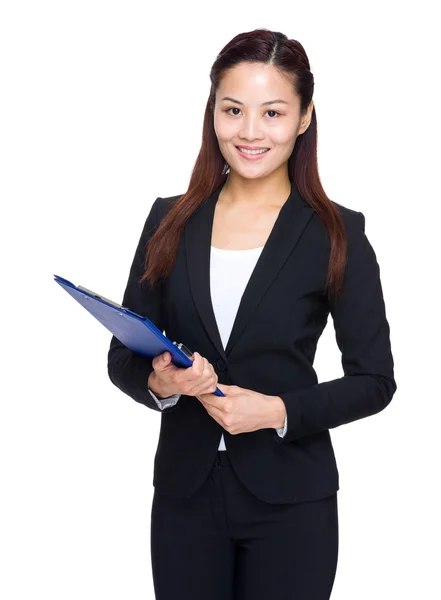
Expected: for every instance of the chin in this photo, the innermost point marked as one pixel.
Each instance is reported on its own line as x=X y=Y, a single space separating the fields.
x=252 y=176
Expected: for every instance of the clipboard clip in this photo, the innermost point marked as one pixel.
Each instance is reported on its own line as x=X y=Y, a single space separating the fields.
x=111 y=302
x=185 y=350
x=95 y=295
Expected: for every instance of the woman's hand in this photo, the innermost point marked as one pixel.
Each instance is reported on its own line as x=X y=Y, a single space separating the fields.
x=167 y=379
x=243 y=410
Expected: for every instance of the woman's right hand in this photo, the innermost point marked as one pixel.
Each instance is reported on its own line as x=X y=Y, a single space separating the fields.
x=167 y=379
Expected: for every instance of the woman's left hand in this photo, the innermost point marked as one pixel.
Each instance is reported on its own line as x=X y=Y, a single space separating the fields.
x=243 y=410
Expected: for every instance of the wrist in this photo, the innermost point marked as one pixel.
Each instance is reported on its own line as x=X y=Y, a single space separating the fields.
x=278 y=412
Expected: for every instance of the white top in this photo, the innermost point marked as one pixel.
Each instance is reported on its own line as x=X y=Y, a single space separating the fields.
x=230 y=271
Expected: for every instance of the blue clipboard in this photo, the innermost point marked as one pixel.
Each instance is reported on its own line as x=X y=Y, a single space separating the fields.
x=136 y=332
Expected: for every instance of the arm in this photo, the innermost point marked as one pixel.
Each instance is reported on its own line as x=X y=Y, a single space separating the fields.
x=128 y=370
x=362 y=335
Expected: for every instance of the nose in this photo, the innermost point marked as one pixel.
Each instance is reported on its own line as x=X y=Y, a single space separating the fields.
x=251 y=128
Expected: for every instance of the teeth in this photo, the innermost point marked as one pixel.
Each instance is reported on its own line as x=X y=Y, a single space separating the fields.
x=245 y=151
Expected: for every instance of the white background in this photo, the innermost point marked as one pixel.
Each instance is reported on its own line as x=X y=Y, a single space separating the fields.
x=101 y=112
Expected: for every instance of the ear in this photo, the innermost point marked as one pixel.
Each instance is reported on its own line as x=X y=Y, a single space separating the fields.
x=306 y=119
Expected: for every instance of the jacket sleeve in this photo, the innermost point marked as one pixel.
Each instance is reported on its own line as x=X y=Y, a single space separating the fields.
x=362 y=335
x=127 y=369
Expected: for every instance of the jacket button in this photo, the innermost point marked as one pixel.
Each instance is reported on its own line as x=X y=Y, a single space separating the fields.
x=220 y=364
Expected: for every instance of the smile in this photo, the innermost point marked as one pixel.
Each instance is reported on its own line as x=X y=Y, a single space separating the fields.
x=252 y=154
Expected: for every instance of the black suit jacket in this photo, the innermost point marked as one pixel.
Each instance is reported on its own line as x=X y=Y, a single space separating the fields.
x=271 y=349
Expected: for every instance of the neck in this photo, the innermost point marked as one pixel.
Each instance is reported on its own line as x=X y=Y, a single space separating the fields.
x=262 y=193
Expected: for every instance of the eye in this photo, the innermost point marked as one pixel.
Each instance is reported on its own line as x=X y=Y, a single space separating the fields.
x=235 y=107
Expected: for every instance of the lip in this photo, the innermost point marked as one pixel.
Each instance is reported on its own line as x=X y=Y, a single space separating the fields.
x=252 y=147
x=252 y=156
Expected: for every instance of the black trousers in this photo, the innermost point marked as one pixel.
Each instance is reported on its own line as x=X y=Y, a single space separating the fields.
x=225 y=544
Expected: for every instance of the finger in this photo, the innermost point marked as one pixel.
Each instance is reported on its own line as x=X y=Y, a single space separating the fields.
x=215 y=412
x=208 y=369
x=161 y=361
x=202 y=373
x=197 y=368
x=205 y=388
x=188 y=374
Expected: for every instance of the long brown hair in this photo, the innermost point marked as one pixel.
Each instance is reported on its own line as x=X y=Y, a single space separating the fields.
x=211 y=170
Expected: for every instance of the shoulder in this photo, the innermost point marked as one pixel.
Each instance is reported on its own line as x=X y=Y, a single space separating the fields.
x=353 y=221
x=351 y=218
x=157 y=212
x=163 y=205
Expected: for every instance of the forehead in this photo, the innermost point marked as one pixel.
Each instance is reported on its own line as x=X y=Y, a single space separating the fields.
x=254 y=83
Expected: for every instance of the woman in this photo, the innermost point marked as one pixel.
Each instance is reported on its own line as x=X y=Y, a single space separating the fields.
x=244 y=269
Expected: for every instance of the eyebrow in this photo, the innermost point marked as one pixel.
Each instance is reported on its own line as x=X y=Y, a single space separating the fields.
x=278 y=101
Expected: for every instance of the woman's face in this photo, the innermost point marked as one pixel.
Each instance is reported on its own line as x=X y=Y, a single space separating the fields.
x=250 y=117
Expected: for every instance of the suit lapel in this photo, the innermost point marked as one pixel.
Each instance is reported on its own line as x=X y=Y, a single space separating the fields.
x=290 y=223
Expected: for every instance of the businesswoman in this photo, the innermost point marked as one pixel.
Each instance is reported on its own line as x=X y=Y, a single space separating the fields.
x=244 y=269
